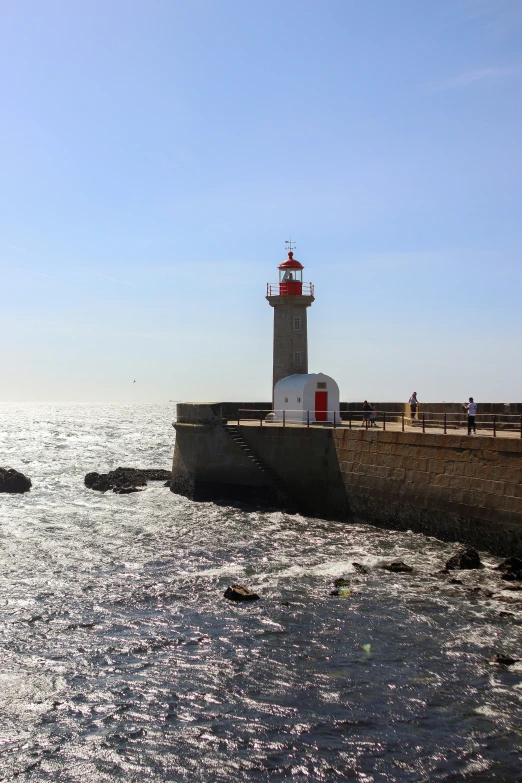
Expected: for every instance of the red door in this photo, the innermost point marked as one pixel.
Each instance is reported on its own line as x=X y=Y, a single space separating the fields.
x=321 y=405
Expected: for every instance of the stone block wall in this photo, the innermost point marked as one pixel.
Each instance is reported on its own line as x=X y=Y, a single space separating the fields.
x=452 y=486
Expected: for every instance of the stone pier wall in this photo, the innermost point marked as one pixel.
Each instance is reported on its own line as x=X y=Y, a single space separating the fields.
x=451 y=486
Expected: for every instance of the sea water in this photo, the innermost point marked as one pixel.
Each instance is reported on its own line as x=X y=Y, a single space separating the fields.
x=122 y=661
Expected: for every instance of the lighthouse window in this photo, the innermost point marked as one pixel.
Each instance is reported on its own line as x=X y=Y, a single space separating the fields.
x=297 y=358
x=286 y=399
x=298 y=399
x=297 y=323
x=321 y=385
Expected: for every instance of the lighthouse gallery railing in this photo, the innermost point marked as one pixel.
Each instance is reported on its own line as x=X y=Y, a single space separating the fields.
x=281 y=289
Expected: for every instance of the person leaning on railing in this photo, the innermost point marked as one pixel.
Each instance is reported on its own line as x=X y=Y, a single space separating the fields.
x=413 y=403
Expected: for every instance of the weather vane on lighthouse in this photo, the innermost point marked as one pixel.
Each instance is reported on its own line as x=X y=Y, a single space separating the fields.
x=289 y=245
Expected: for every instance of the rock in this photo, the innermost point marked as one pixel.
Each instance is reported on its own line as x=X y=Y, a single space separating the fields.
x=157 y=474
x=125 y=480
x=360 y=568
x=341 y=582
x=97 y=481
x=512 y=576
x=503 y=660
x=510 y=564
x=167 y=484
x=456 y=582
x=465 y=560
x=342 y=592
x=511 y=569
x=125 y=490
x=13 y=481
x=240 y=593
x=397 y=567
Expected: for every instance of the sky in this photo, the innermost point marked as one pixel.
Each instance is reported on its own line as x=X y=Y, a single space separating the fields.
x=156 y=154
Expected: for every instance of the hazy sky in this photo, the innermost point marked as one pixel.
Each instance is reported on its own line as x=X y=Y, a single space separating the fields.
x=156 y=154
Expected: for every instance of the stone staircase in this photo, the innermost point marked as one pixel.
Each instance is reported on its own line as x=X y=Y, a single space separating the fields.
x=280 y=489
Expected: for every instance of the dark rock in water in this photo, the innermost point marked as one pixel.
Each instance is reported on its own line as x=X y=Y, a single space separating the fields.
x=13 y=481
x=126 y=479
x=512 y=576
x=397 y=567
x=511 y=569
x=126 y=490
x=360 y=568
x=465 y=560
x=342 y=586
x=97 y=481
x=503 y=660
x=510 y=564
x=157 y=474
x=121 y=477
x=341 y=592
x=240 y=593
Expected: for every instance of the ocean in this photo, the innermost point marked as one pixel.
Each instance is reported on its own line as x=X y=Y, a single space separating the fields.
x=122 y=661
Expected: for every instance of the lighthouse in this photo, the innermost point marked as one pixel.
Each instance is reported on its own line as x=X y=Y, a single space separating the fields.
x=290 y=297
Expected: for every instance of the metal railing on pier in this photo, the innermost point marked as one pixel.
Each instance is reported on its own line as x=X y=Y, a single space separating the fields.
x=485 y=423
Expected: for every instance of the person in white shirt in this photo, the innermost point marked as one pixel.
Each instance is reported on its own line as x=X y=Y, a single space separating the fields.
x=471 y=408
x=413 y=402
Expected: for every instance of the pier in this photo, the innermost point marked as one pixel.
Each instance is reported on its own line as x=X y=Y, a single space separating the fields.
x=450 y=485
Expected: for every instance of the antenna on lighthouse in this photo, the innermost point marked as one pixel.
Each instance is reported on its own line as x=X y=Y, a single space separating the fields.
x=289 y=245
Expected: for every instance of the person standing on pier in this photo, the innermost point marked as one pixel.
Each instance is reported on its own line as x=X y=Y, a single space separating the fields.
x=413 y=402
x=366 y=413
x=471 y=408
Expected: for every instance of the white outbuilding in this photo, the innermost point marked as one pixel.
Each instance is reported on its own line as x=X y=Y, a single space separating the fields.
x=312 y=397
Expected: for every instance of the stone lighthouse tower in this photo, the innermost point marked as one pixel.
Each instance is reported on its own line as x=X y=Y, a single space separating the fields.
x=290 y=297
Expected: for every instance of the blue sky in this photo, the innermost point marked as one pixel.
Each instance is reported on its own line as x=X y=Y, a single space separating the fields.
x=155 y=155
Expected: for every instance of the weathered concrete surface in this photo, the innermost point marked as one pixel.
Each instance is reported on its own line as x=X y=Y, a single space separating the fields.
x=451 y=486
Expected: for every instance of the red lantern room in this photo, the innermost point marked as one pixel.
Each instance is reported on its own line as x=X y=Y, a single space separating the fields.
x=290 y=280
x=290 y=277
